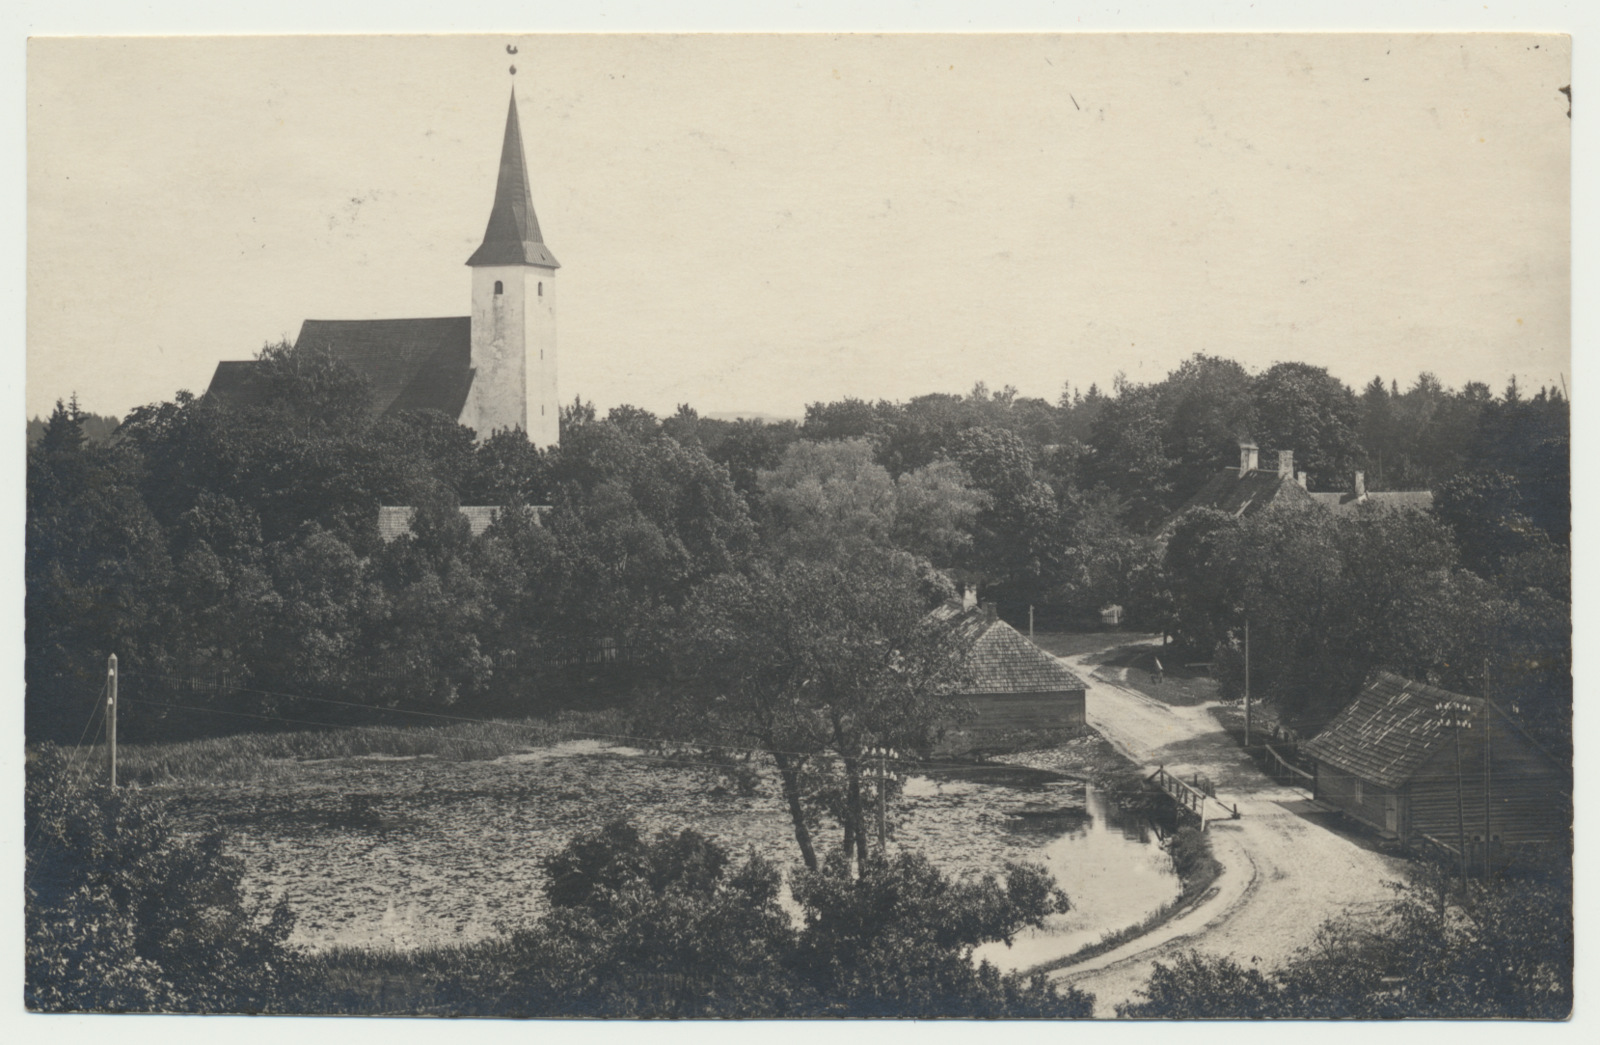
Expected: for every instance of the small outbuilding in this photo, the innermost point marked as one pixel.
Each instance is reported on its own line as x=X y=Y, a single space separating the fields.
x=1390 y=760
x=1014 y=685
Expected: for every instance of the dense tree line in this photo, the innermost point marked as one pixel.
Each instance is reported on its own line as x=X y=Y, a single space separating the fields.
x=229 y=553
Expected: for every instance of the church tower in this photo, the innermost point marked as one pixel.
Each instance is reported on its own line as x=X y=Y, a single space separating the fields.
x=513 y=311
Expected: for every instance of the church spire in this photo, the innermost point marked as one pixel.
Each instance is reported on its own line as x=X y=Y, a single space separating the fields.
x=512 y=237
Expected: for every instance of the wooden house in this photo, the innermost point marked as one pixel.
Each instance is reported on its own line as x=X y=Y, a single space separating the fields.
x=1014 y=685
x=1390 y=760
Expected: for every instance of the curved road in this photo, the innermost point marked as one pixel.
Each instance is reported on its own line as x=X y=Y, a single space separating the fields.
x=1287 y=867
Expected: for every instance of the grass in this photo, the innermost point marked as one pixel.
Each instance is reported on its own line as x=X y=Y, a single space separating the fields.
x=468 y=980
x=1075 y=643
x=248 y=756
x=1180 y=686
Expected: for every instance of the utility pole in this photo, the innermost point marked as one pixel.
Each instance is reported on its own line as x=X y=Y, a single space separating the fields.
x=1457 y=715
x=1488 y=720
x=883 y=826
x=1247 y=683
x=111 y=716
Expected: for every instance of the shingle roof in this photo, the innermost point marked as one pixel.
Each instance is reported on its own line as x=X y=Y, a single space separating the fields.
x=512 y=236
x=1229 y=491
x=1002 y=661
x=411 y=364
x=1347 y=501
x=1388 y=731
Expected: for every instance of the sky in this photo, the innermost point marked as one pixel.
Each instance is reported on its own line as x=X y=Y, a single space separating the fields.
x=751 y=223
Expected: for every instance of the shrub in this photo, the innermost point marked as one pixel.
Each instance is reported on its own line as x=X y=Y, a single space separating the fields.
x=124 y=914
x=898 y=939
x=670 y=926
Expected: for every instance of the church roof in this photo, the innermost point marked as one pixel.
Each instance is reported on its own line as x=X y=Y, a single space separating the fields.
x=512 y=237
x=410 y=364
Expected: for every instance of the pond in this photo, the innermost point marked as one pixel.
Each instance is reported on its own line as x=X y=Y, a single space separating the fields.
x=1108 y=862
x=421 y=852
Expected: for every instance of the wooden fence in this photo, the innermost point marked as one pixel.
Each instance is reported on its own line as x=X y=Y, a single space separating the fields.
x=1284 y=771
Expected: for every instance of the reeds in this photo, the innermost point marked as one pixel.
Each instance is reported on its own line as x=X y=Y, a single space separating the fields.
x=250 y=756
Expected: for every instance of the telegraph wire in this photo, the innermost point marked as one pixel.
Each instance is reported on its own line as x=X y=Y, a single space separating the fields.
x=569 y=731
x=398 y=732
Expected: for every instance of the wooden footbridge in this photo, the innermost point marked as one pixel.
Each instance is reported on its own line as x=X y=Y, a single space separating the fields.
x=1192 y=795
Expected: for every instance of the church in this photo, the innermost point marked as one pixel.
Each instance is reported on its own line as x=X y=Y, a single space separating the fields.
x=493 y=370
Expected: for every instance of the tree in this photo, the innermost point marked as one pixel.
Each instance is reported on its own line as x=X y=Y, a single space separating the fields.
x=668 y=926
x=1129 y=453
x=672 y=926
x=898 y=940
x=827 y=500
x=1016 y=539
x=97 y=573
x=814 y=663
x=1305 y=409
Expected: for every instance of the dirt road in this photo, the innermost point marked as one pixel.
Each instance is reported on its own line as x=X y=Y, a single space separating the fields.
x=1287 y=866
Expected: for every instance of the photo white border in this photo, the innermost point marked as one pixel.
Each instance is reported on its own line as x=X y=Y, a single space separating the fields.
x=189 y=17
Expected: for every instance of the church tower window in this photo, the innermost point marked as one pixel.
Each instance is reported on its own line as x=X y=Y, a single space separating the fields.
x=499 y=287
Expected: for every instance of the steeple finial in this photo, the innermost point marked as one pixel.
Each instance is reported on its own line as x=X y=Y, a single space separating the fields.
x=512 y=236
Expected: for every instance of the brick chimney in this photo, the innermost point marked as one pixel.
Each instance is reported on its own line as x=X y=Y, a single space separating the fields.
x=1300 y=477
x=969 y=596
x=1247 y=457
x=988 y=610
x=1286 y=465
x=1360 y=487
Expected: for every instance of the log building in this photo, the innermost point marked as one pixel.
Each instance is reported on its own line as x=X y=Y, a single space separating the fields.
x=1395 y=757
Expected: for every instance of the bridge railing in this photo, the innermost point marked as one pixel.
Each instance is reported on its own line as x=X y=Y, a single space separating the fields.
x=1191 y=795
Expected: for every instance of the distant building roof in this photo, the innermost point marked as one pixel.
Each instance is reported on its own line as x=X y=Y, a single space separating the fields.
x=1392 y=728
x=512 y=236
x=1241 y=493
x=1002 y=660
x=1349 y=501
x=410 y=364
x=395 y=521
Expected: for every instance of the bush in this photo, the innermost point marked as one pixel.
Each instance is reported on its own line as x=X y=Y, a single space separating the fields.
x=123 y=914
x=661 y=927
x=1504 y=950
x=898 y=941
x=671 y=927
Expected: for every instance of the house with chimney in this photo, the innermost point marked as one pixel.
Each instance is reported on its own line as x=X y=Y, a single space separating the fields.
x=1012 y=685
x=1351 y=500
x=1249 y=489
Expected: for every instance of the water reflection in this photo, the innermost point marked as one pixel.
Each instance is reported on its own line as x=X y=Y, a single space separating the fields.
x=1106 y=861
